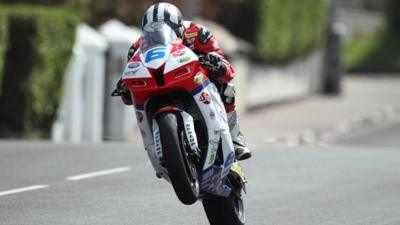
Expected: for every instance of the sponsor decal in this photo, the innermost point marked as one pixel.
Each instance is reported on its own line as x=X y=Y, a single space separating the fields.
x=185 y=59
x=214 y=141
x=214 y=145
x=205 y=98
x=190 y=137
x=198 y=78
x=130 y=72
x=155 y=53
x=212 y=115
x=190 y=35
x=212 y=159
x=179 y=53
x=139 y=116
x=133 y=65
x=157 y=143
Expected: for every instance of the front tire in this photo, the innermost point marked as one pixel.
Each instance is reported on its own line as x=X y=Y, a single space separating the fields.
x=225 y=211
x=182 y=171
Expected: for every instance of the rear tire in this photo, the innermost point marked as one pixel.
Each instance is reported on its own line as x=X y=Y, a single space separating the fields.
x=182 y=171
x=225 y=211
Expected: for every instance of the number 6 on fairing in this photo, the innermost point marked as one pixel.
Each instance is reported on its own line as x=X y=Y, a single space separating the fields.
x=155 y=53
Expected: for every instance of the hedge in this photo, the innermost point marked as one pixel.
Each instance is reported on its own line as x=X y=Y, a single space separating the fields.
x=378 y=52
x=290 y=28
x=55 y=34
x=3 y=41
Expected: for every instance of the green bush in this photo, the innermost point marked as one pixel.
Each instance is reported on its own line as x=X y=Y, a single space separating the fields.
x=53 y=42
x=376 y=52
x=289 y=28
x=3 y=42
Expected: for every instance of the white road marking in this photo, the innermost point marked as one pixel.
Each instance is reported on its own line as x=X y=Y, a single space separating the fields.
x=24 y=189
x=98 y=173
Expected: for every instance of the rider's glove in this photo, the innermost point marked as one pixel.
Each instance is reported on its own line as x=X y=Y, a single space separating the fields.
x=123 y=91
x=131 y=52
x=214 y=64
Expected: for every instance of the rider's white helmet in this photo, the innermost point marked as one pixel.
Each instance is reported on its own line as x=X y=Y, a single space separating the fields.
x=163 y=13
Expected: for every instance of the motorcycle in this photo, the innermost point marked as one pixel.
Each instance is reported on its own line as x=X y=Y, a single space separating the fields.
x=184 y=126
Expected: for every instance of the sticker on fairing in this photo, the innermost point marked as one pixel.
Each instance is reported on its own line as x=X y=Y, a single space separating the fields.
x=205 y=98
x=155 y=57
x=179 y=59
x=179 y=53
x=185 y=59
x=157 y=140
x=135 y=70
x=155 y=53
x=198 y=78
x=133 y=65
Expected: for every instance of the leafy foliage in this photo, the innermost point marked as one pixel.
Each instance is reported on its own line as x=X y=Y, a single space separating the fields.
x=3 y=42
x=377 y=52
x=289 y=28
x=54 y=41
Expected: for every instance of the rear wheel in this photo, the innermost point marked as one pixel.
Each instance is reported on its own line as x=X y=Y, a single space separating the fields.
x=182 y=170
x=225 y=211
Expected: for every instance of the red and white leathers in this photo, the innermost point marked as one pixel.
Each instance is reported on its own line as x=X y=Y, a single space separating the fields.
x=202 y=42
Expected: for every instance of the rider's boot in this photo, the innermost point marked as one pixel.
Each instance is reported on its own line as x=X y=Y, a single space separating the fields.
x=242 y=152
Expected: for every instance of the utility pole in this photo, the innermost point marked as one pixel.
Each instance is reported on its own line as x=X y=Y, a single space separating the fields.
x=333 y=68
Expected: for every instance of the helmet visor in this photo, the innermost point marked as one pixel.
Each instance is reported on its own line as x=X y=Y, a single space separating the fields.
x=157 y=35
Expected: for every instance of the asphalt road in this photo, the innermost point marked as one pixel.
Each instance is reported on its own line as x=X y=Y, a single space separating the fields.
x=354 y=181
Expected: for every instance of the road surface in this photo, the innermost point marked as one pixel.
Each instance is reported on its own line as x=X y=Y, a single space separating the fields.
x=355 y=180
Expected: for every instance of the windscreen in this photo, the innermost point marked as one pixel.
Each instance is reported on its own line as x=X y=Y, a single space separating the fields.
x=157 y=35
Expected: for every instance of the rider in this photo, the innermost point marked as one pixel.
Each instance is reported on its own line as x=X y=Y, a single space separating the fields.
x=202 y=42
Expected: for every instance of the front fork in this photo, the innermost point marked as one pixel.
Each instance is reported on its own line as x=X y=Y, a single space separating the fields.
x=191 y=137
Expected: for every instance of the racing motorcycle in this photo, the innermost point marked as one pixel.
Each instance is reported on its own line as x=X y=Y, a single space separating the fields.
x=184 y=126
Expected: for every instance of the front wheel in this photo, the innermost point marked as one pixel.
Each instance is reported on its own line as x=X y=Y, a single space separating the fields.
x=225 y=211
x=182 y=171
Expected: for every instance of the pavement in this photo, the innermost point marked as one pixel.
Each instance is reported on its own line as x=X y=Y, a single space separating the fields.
x=365 y=102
